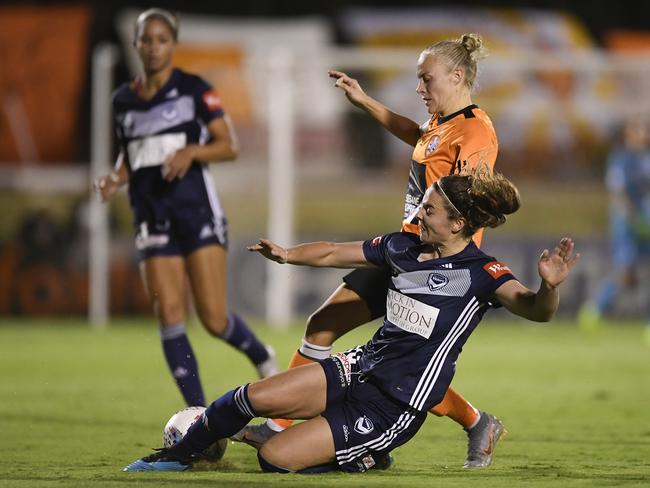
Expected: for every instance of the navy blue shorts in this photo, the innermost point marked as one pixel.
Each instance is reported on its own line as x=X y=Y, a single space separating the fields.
x=181 y=233
x=371 y=284
x=363 y=419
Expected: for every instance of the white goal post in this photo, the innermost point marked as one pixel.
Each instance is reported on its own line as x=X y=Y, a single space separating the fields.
x=103 y=61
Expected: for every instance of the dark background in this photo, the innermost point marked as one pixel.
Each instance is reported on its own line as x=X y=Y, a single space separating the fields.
x=597 y=17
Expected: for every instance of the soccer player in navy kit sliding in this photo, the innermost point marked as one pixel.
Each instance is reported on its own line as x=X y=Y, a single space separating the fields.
x=457 y=137
x=362 y=404
x=169 y=124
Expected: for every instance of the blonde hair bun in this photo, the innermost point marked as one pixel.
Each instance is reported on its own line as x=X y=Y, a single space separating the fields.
x=473 y=44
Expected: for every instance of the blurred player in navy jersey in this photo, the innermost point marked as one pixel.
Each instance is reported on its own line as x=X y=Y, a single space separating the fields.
x=362 y=404
x=169 y=125
x=628 y=182
x=457 y=137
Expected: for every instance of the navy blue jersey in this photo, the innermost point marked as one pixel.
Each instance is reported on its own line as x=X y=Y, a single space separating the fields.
x=149 y=131
x=431 y=309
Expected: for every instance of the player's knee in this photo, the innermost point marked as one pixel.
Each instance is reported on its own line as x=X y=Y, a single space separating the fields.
x=438 y=411
x=215 y=322
x=169 y=312
x=316 y=319
x=319 y=330
x=266 y=465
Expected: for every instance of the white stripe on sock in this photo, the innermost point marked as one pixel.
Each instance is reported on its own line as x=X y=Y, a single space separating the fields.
x=312 y=351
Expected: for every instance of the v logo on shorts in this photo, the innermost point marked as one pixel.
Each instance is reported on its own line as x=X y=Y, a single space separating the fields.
x=364 y=425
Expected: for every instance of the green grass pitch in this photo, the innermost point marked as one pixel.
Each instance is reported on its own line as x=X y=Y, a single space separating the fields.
x=76 y=405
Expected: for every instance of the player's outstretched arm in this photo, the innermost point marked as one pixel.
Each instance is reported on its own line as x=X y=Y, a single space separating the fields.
x=317 y=254
x=400 y=126
x=554 y=267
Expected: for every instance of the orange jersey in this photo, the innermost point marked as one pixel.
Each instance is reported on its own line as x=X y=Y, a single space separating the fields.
x=448 y=145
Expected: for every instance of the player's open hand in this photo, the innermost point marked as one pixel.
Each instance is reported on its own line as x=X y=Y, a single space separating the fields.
x=177 y=164
x=270 y=250
x=350 y=86
x=106 y=186
x=555 y=266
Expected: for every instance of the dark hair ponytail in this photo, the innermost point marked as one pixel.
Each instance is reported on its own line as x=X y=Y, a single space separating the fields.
x=483 y=199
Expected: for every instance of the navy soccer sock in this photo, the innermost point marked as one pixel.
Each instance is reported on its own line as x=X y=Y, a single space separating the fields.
x=182 y=363
x=240 y=336
x=224 y=417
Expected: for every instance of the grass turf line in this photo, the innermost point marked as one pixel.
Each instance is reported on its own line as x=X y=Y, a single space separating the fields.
x=76 y=405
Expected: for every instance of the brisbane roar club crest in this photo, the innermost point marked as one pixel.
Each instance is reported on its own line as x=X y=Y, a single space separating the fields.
x=432 y=146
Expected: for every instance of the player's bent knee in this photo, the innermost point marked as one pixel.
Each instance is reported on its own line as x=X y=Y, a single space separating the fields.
x=319 y=330
x=169 y=313
x=316 y=320
x=215 y=324
x=268 y=467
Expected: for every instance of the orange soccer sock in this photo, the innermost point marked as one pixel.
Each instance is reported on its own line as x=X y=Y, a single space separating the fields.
x=454 y=406
x=296 y=360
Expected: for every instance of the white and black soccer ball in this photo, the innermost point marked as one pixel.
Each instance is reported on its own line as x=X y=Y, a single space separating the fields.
x=178 y=425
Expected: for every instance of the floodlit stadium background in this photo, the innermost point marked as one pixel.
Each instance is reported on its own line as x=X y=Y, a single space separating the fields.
x=77 y=402
x=557 y=84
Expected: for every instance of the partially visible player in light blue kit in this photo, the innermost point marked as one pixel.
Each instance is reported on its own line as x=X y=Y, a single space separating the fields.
x=362 y=404
x=628 y=182
x=169 y=125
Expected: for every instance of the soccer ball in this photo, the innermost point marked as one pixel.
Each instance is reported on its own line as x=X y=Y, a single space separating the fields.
x=178 y=425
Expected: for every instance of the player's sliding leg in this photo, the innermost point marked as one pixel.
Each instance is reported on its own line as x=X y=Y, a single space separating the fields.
x=232 y=410
x=299 y=393
x=207 y=271
x=483 y=429
x=164 y=281
x=307 y=354
x=342 y=312
x=309 y=448
x=256 y=435
x=309 y=444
